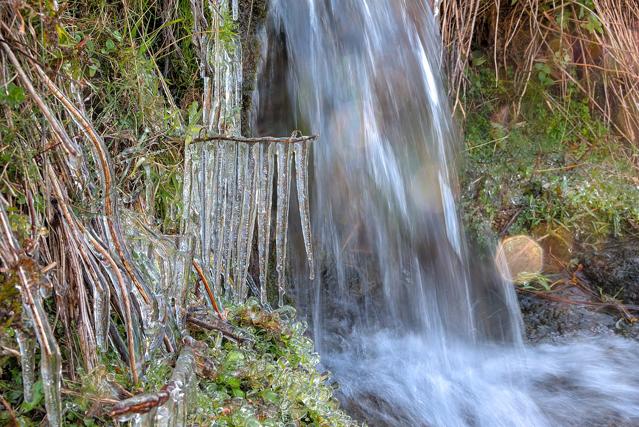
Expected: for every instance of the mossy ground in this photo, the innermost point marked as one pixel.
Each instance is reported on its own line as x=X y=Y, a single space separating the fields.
x=553 y=171
x=270 y=378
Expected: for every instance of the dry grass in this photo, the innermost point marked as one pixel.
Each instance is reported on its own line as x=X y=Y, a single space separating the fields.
x=589 y=45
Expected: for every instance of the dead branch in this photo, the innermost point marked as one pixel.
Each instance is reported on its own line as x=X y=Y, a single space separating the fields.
x=257 y=140
x=213 y=324
x=142 y=403
x=209 y=292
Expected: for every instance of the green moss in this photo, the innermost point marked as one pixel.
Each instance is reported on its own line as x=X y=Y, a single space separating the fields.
x=551 y=167
x=270 y=380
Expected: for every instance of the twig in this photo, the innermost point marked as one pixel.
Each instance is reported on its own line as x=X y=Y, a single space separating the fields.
x=257 y=140
x=8 y=351
x=143 y=403
x=205 y=282
x=12 y=414
x=624 y=308
x=511 y=221
x=213 y=324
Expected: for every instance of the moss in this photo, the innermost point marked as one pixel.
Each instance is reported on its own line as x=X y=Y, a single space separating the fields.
x=272 y=379
x=10 y=302
x=544 y=170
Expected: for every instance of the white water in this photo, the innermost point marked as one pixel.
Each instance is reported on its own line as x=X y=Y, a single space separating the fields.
x=411 y=338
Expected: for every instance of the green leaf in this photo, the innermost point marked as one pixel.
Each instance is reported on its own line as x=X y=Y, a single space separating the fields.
x=38 y=398
x=194 y=113
x=270 y=396
x=232 y=382
x=14 y=95
x=92 y=70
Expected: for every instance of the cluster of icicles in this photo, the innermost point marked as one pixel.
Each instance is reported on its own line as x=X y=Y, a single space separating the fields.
x=231 y=192
x=228 y=182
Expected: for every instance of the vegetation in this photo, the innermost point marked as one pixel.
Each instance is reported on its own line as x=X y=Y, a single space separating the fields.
x=99 y=102
x=546 y=151
x=585 y=46
x=544 y=90
x=553 y=170
x=270 y=379
x=266 y=375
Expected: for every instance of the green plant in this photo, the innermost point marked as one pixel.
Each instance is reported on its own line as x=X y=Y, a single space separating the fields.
x=555 y=164
x=270 y=380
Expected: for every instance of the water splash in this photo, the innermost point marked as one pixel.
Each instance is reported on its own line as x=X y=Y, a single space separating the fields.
x=591 y=382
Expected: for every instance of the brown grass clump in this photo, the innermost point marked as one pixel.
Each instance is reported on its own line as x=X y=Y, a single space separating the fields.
x=592 y=46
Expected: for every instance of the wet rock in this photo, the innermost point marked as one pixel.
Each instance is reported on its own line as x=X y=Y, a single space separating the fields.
x=615 y=269
x=548 y=321
x=251 y=20
x=552 y=321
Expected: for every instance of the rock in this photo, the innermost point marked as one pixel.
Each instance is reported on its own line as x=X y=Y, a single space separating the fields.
x=615 y=269
x=548 y=321
x=551 y=321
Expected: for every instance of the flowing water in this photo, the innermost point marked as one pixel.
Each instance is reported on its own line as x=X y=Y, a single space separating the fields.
x=410 y=335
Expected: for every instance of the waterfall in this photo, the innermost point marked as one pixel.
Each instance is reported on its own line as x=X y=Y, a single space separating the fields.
x=411 y=336
x=366 y=78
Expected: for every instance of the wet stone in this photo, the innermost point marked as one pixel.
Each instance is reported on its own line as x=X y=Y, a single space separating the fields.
x=615 y=269
x=552 y=322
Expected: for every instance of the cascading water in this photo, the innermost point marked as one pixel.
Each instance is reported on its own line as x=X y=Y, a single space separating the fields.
x=410 y=337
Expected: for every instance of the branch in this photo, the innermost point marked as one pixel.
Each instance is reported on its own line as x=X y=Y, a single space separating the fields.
x=268 y=139
x=180 y=379
x=142 y=403
x=213 y=324
x=205 y=282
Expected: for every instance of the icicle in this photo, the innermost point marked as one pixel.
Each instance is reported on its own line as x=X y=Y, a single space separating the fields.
x=101 y=314
x=184 y=257
x=281 y=226
x=174 y=412
x=264 y=207
x=50 y=369
x=209 y=199
x=238 y=211
x=219 y=217
x=238 y=80
x=301 y=180
x=205 y=238
x=247 y=223
x=236 y=9
x=187 y=189
x=27 y=362
x=230 y=190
